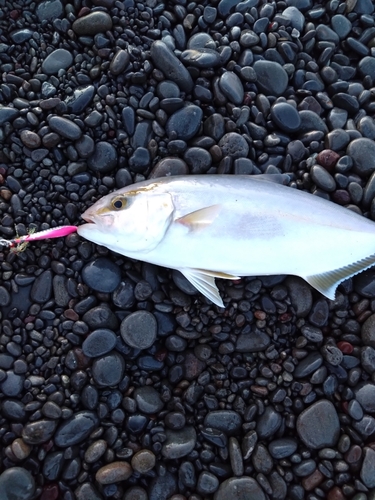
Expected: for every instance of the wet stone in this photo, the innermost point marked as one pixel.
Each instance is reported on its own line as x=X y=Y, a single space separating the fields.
x=139 y=329
x=322 y=178
x=49 y=10
x=162 y=486
x=198 y=159
x=119 y=62
x=108 y=370
x=232 y=87
x=201 y=58
x=368 y=467
x=12 y=385
x=364 y=283
x=99 y=342
x=285 y=116
x=362 y=152
x=80 y=99
x=234 y=145
x=311 y=121
x=56 y=60
x=308 y=365
x=255 y=341
x=185 y=122
x=76 y=429
x=207 y=483
x=93 y=23
x=143 y=461
x=368 y=331
x=101 y=317
x=168 y=167
x=39 y=432
x=282 y=448
x=30 y=139
x=365 y=395
x=179 y=443
x=240 y=488
x=295 y=16
x=227 y=421
x=148 y=400
x=272 y=79
x=114 y=472
x=319 y=313
x=4 y=296
x=65 y=127
x=7 y=114
x=268 y=423
x=318 y=426
x=21 y=36
x=87 y=491
x=104 y=159
x=17 y=483
x=341 y=25
x=102 y=275
x=300 y=295
x=166 y=61
x=337 y=140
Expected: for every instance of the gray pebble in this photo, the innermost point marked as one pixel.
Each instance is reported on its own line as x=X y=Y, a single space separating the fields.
x=139 y=329
x=65 y=127
x=272 y=79
x=119 y=62
x=16 y=483
x=234 y=145
x=179 y=443
x=227 y=421
x=256 y=342
x=108 y=370
x=104 y=159
x=368 y=331
x=39 y=432
x=56 y=60
x=308 y=365
x=166 y=61
x=198 y=159
x=99 y=342
x=295 y=16
x=148 y=400
x=268 y=423
x=102 y=275
x=285 y=116
x=368 y=467
x=13 y=384
x=49 y=10
x=362 y=152
x=318 y=426
x=282 y=448
x=93 y=23
x=76 y=429
x=240 y=488
x=300 y=295
x=235 y=457
x=201 y=58
x=232 y=87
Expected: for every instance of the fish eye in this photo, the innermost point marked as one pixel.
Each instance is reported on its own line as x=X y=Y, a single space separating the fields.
x=119 y=202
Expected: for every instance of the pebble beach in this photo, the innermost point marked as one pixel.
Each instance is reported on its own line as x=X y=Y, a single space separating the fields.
x=118 y=380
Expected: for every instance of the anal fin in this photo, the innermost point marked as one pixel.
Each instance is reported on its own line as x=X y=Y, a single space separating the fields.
x=204 y=282
x=326 y=283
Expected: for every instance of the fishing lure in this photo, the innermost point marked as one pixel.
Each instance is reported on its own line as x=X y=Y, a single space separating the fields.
x=20 y=243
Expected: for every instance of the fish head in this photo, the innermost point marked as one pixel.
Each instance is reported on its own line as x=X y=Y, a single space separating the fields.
x=129 y=220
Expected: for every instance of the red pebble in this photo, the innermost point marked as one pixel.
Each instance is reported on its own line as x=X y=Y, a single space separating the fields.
x=327 y=159
x=345 y=347
x=14 y=14
x=50 y=492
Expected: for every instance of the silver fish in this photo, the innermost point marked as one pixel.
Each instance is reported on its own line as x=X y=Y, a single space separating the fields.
x=224 y=226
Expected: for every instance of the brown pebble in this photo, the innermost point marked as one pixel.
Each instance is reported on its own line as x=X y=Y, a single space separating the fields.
x=341 y=197
x=70 y=314
x=353 y=455
x=313 y=480
x=143 y=461
x=327 y=159
x=114 y=473
x=51 y=140
x=336 y=494
x=20 y=449
x=5 y=194
x=30 y=139
x=260 y=315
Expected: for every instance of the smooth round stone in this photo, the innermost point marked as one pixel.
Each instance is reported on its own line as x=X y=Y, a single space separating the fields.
x=249 y=38
x=207 y=483
x=119 y=62
x=140 y=160
x=39 y=432
x=102 y=275
x=368 y=359
x=234 y=145
x=272 y=79
x=4 y=296
x=256 y=342
x=365 y=395
x=362 y=152
x=93 y=23
x=65 y=127
x=185 y=122
x=99 y=342
x=311 y=121
x=80 y=99
x=143 y=461
x=318 y=426
x=200 y=40
x=21 y=36
x=108 y=370
x=240 y=488
x=318 y=317
x=148 y=400
x=168 y=167
x=56 y=60
x=101 y=317
x=104 y=159
x=49 y=10
x=198 y=159
x=41 y=290
x=30 y=139
x=295 y=16
x=368 y=331
x=201 y=58
x=368 y=466
x=300 y=295
x=162 y=486
x=326 y=34
x=282 y=448
x=114 y=472
x=76 y=429
x=366 y=66
x=308 y=365
x=167 y=89
x=214 y=126
x=13 y=409
x=8 y=114
x=285 y=116
x=366 y=126
x=268 y=423
x=341 y=25
x=322 y=178
x=167 y=62
x=139 y=329
x=227 y=421
x=16 y=483
x=337 y=140
x=179 y=443
x=87 y=491
x=85 y=146
x=231 y=86
x=12 y=385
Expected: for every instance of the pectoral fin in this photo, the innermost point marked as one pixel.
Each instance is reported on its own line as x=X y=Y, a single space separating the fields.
x=200 y=218
x=327 y=282
x=204 y=282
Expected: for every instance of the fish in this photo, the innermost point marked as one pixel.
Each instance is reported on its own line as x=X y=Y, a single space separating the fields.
x=230 y=226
